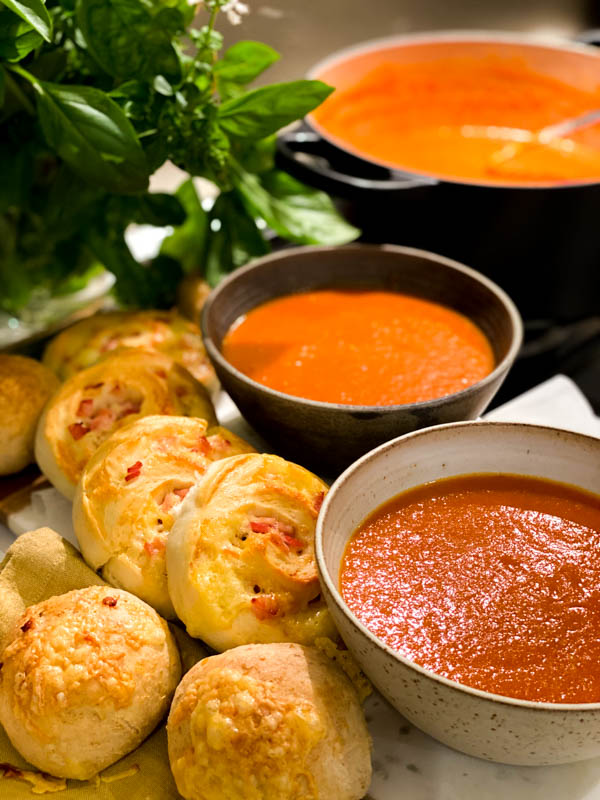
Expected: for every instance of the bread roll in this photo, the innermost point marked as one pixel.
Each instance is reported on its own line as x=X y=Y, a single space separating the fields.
x=97 y=401
x=122 y=524
x=25 y=385
x=240 y=557
x=85 y=343
x=268 y=722
x=87 y=676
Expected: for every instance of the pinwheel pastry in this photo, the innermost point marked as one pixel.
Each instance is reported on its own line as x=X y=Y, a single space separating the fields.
x=89 y=340
x=240 y=557
x=97 y=401
x=130 y=493
x=25 y=385
x=268 y=722
x=86 y=677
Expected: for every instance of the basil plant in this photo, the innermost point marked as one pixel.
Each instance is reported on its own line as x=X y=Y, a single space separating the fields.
x=95 y=95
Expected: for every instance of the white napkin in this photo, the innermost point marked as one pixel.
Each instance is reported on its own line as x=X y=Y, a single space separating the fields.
x=557 y=402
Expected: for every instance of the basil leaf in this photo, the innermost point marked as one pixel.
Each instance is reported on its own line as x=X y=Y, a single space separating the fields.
x=293 y=210
x=126 y=40
x=236 y=240
x=257 y=155
x=108 y=246
x=187 y=242
x=186 y=10
x=17 y=37
x=263 y=111
x=34 y=12
x=62 y=217
x=171 y=20
x=146 y=209
x=244 y=61
x=159 y=209
x=90 y=132
x=16 y=169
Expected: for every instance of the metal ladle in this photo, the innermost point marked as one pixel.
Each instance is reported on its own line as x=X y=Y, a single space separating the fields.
x=517 y=138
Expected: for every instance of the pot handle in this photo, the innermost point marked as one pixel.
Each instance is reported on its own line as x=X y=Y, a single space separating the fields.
x=310 y=158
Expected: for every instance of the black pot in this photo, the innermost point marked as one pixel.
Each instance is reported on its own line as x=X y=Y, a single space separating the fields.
x=541 y=244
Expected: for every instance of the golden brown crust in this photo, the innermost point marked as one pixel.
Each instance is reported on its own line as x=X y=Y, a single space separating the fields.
x=240 y=558
x=268 y=722
x=86 y=342
x=85 y=678
x=97 y=401
x=25 y=385
x=122 y=523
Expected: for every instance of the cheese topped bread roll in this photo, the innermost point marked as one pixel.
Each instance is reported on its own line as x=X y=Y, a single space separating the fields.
x=86 y=342
x=85 y=678
x=25 y=385
x=268 y=722
x=97 y=401
x=130 y=493
x=240 y=557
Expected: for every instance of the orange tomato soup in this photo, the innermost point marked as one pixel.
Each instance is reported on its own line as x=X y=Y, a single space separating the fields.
x=443 y=118
x=359 y=347
x=490 y=580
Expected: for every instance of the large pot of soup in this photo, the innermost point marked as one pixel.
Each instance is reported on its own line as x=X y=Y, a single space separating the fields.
x=431 y=141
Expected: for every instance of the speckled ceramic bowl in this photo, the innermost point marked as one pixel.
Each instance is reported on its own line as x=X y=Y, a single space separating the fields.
x=476 y=722
x=328 y=436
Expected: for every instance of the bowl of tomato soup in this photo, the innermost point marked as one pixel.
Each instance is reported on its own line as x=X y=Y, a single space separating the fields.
x=461 y=564
x=330 y=351
x=430 y=139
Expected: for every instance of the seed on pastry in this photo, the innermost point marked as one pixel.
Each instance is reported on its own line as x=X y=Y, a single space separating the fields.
x=268 y=722
x=86 y=342
x=240 y=557
x=85 y=678
x=97 y=401
x=131 y=491
x=25 y=385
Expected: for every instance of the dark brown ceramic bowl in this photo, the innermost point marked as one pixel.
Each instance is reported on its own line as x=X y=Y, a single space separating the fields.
x=328 y=436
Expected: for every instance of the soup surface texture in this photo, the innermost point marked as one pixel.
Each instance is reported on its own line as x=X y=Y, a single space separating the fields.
x=455 y=117
x=489 y=580
x=359 y=347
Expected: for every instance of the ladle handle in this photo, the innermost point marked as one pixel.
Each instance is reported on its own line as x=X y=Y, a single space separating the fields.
x=311 y=159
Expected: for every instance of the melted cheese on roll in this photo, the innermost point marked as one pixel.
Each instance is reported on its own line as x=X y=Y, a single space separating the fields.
x=97 y=401
x=25 y=385
x=85 y=678
x=131 y=491
x=85 y=343
x=240 y=558
x=268 y=722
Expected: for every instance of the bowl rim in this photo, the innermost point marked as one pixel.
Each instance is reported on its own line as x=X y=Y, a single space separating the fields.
x=325 y=576
x=460 y=36
x=501 y=367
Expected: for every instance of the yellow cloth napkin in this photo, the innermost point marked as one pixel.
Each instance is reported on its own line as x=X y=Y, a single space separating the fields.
x=41 y=564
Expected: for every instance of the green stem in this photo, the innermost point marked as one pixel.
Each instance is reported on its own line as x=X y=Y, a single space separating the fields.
x=211 y=23
x=209 y=29
x=14 y=87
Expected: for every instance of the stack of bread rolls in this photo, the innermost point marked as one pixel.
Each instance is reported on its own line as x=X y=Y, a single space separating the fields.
x=130 y=492
x=183 y=518
x=84 y=344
